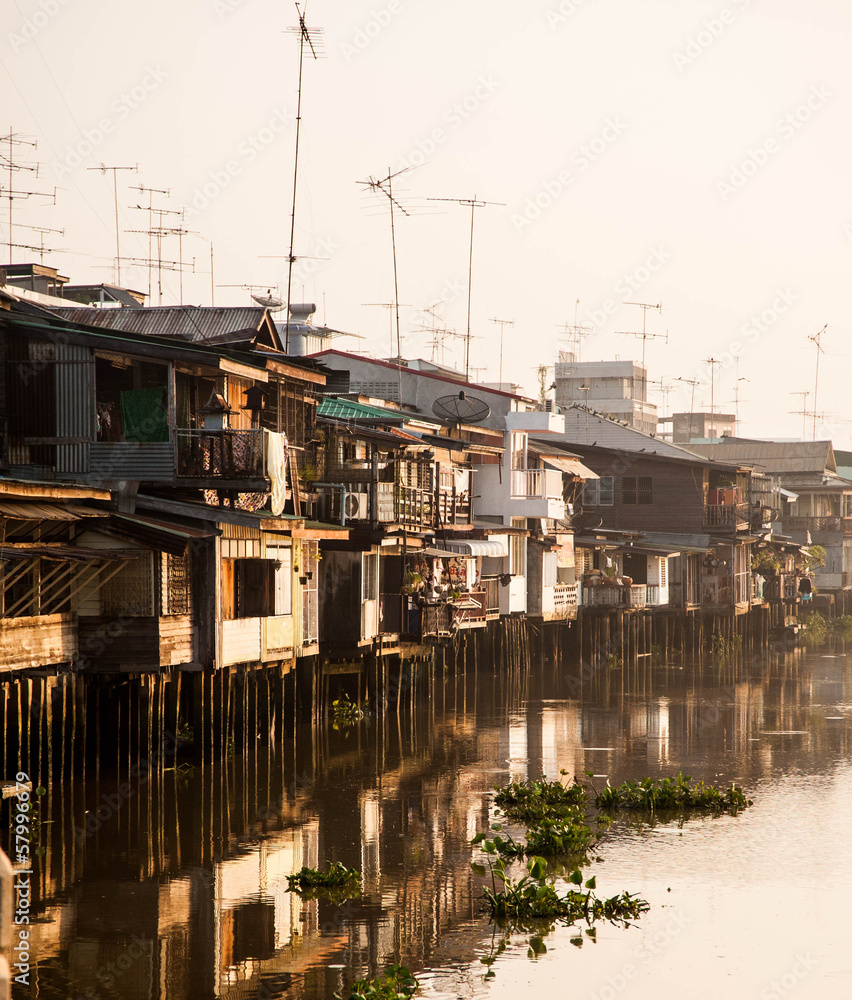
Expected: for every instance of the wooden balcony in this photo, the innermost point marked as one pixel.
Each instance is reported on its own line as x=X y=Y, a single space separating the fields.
x=734 y=516
x=218 y=455
x=833 y=524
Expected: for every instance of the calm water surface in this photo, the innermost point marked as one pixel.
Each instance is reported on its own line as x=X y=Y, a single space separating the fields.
x=174 y=885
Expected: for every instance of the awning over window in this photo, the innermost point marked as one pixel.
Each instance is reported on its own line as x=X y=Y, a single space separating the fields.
x=492 y=547
x=573 y=466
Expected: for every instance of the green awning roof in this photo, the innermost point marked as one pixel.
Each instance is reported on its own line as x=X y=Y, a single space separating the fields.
x=348 y=409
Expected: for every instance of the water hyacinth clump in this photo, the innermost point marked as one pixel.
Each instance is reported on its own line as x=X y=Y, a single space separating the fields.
x=672 y=795
x=338 y=877
x=533 y=898
x=397 y=984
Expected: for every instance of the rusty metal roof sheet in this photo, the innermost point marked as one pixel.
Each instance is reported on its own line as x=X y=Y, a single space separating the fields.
x=22 y=511
x=199 y=324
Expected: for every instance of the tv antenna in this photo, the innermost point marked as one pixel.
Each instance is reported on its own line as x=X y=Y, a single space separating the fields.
x=804 y=413
x=313 y=38
x=664 y=388
x=150 y=230
x=644 y=306
x=41 y=249
x=693 y=382
x=816 y=339
x=439 y=335
x=13 y=194
x=737 y=398
x=103 y=169
x=712 y=362
x=389 y=306
x=502 y=323
x=474 y=205
x=385 y=187
x=576 y=333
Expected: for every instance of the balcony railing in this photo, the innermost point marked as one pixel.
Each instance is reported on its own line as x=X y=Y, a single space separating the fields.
x=565 y=600
x=727 y=515
x=543 y=484
x=830 y=523
x=443 y=619
x=633 y=596
x=491 y=585
x=220 y=454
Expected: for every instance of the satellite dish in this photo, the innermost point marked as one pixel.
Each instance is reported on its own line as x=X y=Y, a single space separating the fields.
x=586 y=520
x=461 y=409
x=269 y=300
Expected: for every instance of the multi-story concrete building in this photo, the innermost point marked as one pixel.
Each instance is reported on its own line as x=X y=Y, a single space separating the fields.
x=617 y=388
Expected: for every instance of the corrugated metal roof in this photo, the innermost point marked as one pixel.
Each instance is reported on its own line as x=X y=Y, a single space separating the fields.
x=585 y=427
x=199 y=324
x=777 y=457
x=348 y=409
x=47 y=512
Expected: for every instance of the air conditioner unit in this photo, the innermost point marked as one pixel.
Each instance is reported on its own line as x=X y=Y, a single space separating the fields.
x=357 y=506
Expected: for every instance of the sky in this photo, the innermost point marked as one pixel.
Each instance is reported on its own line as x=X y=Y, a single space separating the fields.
x=684 y=154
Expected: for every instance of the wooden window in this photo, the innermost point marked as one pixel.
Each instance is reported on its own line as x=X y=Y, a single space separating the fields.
x=175 y=584
x=598 y=492
x=369 y=569
x=637 y=490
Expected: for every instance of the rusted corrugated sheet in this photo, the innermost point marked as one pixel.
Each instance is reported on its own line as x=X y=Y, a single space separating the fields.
x=145 y=460
x=47 y=512
x=192 y=323
x=75 y=406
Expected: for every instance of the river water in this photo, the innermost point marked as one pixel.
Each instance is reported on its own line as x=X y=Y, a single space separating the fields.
x=173 y=883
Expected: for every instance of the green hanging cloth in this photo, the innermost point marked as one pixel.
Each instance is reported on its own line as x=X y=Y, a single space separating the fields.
x=145 y=414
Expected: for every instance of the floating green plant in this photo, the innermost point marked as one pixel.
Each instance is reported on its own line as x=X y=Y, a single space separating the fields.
x=534 y=898
x=671 y=794
x=345 y=712
x=339 y=879
x=532 y=801
x=397 y=984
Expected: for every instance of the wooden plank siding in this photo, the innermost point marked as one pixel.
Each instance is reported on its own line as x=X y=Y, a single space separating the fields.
x=37 y=642
x=678 y=492
x=177 y=640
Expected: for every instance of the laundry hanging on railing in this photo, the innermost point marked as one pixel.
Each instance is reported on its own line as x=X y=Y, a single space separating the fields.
x=277 y=456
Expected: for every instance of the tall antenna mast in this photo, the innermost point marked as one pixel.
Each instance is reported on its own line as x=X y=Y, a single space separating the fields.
x=693 y=382
x=474 y=204
x=150 y=230
x=11 y=193
x=816 y=338
x=385 y=187
x=712 y=362
x=311 y=36
x=388 y=306
x=804 y=413
x=503 y=323
x=645 y=306
x=103 y=169
x=576 y=333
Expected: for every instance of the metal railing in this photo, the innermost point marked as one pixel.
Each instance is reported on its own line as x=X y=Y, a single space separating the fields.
x=542 y=484
x=833 y=523
x=220 y=454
